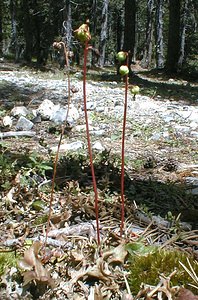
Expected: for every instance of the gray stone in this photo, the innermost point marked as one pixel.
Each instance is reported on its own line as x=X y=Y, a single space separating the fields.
x=91 y=105
x=192 y=180
x=98 y=146
x=19 y=111
x=100 y=108
x=194 y=134
x=7 y=121
x=24 y=124
x=182 y=129
x=99 y=132
x=46 y=109
x=59 y=116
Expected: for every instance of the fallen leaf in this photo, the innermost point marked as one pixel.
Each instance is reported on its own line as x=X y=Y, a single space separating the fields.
x=116 y=255
x=185 y=294
x=33 y=267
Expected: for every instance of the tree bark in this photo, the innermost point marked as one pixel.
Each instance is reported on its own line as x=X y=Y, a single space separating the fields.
x=67 y=24
x=27 y=27
x=103 y=33
x=1 y=28
x=159 y=34
x=14 y=37
x=147 y=56
x=183 y=35
x=130 y=28
x=173 y=51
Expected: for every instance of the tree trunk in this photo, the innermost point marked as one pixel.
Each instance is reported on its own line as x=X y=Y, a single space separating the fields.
x=119 y=31
x=14 y=47
x=103 y=34
x=94 y=24
x=147 y=56
x=183 y=35
x=173 y=52
x=27 y=27
x=159 y=34
x=130 y=28
x=1 y=29
x=67 y=24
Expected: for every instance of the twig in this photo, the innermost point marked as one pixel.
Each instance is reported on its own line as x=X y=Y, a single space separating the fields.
x=86 y=49
x=16 y=134
x=60 y=140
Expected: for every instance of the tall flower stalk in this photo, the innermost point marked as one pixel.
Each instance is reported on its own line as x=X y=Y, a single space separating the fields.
x=83 y=34
x=124 y=70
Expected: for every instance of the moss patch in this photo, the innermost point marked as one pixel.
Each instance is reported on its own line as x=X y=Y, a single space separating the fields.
x=147 y=268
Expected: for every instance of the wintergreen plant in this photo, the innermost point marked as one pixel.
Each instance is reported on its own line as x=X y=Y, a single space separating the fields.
x=84 y=36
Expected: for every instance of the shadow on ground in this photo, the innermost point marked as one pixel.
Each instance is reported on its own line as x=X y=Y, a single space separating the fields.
x=154 y=84
x=11 y=95
x=154 y=196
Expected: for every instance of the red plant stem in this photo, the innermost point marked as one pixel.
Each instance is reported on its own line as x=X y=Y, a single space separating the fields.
x=123 y=152
x=89 y=142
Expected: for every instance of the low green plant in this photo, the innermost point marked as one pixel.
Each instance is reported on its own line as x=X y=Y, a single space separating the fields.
x=37 y=165
x=146 y=264
x=8 y=168
x=7 y=260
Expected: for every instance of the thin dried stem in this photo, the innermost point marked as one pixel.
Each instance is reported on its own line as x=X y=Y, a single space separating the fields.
x=59 y=143
x=86 y=49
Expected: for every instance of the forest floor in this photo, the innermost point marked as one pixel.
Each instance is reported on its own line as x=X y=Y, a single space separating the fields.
x=161 y=189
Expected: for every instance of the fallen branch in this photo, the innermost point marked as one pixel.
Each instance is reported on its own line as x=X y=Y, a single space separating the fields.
x=16 y=133
x=82 y=229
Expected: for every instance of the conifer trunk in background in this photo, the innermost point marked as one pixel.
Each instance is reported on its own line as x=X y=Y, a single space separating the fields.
x=103 y=33
x=67 y=24
x=1 y=28
x=93 y=23
x=159 y=34
x=147 y=56
x=14 y=47
x=183 y=34
x=173 y=51
x=119 y=31
x=130 y=28
x=27 y=28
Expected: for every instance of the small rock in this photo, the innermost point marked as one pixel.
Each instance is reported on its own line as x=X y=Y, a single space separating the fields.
x=156 y=136
x=98 y=146
x=100 y=108
x=91 y=105
x=7 y=121
x=192 y=180
x=99 y=132
x=59 y=115
x=19 y=111
x=46 y=109
x=36 y=119
x=182 y=129
x=194 y=134
x=24 y=124
x=193 y=125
